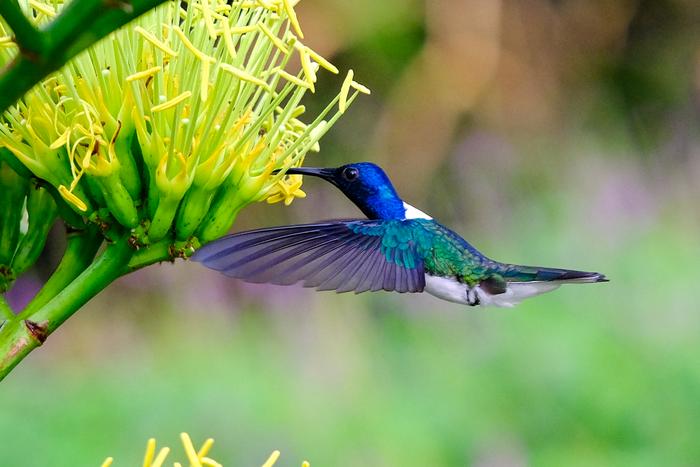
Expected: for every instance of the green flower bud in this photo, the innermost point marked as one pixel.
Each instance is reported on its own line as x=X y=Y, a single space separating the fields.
x=13 y=190
x=42 y=212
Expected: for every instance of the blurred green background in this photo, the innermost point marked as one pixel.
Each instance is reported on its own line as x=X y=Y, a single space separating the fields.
x=562 y=133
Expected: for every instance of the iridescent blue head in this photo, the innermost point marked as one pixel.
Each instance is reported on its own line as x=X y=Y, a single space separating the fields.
x=366 y=185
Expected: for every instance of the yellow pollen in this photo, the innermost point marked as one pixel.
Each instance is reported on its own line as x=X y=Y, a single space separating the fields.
x=289 y=9
x=245 y=76
x=172 y=102
x=155 y=41
x=275 y=40
x=143 y=74
x=344 y=91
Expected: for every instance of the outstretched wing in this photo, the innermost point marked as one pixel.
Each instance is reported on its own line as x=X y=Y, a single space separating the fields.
x=357 y=255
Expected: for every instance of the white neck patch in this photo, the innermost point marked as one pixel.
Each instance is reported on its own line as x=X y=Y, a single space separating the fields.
x=413 y=213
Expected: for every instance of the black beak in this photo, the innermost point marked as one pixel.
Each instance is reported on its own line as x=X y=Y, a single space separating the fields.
x=326 y=174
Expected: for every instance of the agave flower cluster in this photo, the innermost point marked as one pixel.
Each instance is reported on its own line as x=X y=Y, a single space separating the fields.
x=195 y=457
x=171 y=125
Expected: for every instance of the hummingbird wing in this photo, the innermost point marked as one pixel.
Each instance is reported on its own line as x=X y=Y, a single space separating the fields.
x=354 y=255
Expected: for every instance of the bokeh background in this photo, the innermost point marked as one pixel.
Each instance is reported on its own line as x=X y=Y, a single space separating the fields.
x=562 y=133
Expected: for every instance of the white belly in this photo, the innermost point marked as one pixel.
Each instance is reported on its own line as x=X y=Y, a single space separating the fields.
x=448 y=288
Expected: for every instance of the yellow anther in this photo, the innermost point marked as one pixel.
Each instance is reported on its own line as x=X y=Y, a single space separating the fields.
x=360 y=87
x=293 y=79
x=150 y=452
x=108 y=462
x=317 y=57
x=309 y=71
x=291 y=14
x=305 y=464
x=272 y=459
x=244 y=75
x=207 y=13
x=160 y=458
x=206 y=447
x=275 y=40
x=189 y=450
x=208 y=462
x=71 y=198
x=228 y=39
x=155 y=41
x=172 y=102
x=195 y=51
x=143 y=74
x=243 y=29
x=344 y=91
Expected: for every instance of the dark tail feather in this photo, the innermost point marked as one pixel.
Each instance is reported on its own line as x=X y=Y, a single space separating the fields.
x=515 y=273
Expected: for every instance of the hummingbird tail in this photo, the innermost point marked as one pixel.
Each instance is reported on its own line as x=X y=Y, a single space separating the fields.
x=515 y=273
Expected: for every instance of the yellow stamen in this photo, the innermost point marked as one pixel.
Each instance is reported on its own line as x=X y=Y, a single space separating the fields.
x=272 y=459
x=189 y=450
x=305 y=464
x=206 y=12
x=108 y=462
x=309 y=72
x=208 y=462
x=206 y=447
x=318 y=58
x=155 y=41
x=228 y=40
x=293 y=79
x=291 y=14
x=245 y=76
x=275 y=40
x=160 y=458
x=172 y=102
x=197 y=53
x=143 y=74
x=150 y=452
x=344 y=91
x=243 y=29
x=360 y=87
x=71 y=198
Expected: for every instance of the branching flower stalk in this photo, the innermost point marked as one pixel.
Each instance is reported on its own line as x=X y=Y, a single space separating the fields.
x=151 y=141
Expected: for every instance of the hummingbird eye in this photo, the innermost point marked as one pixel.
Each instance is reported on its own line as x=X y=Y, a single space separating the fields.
x=350 y=174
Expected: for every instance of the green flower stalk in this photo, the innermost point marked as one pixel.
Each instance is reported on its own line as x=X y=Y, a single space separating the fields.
x=162 y=132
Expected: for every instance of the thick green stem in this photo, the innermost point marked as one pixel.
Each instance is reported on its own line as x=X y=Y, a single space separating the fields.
x=156 y=253
x=5 y=309
x=80 y=251
x=21 y=336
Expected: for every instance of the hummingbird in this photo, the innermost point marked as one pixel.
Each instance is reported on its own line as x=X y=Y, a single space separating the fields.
x=397 y=248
